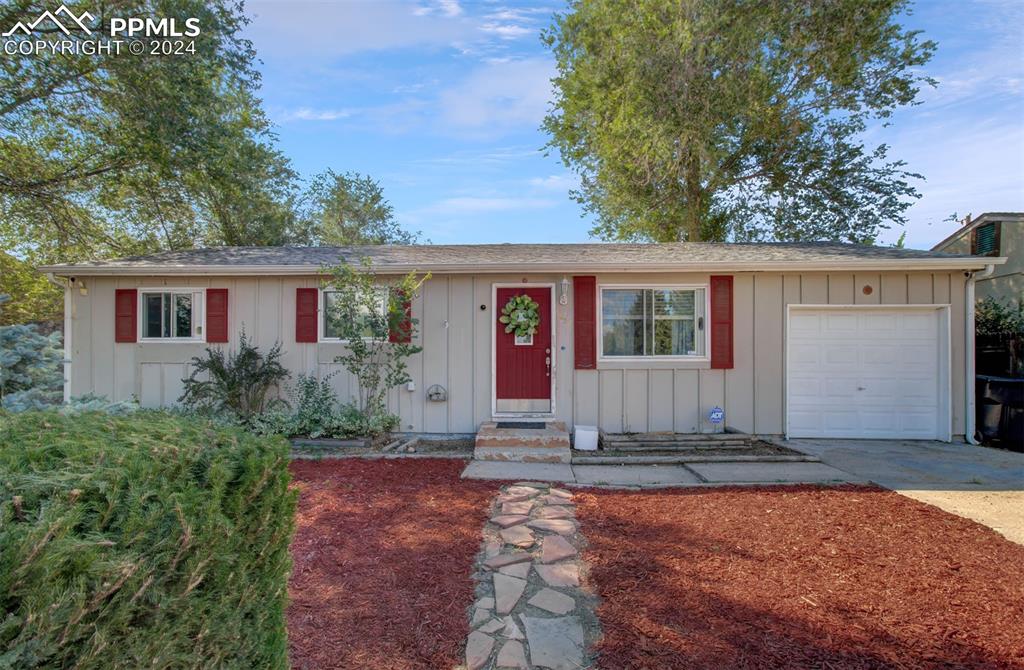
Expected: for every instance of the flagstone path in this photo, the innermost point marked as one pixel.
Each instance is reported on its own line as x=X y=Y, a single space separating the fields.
x=532 y=610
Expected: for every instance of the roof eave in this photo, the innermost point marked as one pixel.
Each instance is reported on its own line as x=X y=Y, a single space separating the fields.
x=888 y=264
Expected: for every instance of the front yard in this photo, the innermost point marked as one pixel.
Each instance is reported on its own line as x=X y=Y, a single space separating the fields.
x=383 y=554
x=851 y=577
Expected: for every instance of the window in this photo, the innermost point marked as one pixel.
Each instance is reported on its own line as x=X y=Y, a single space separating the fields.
x=985 y=239
x=171 y=315
x=333 y=311
x=652 y=322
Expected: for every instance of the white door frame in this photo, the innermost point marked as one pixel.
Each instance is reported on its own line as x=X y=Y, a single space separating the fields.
x=945 y=356
x=494 y=342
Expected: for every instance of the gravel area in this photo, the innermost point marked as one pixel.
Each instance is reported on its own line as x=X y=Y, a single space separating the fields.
x=798 y=577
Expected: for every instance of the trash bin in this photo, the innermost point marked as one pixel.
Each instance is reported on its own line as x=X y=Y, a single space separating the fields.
x=1000 y=410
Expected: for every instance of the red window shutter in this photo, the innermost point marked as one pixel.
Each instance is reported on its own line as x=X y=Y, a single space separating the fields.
x=126 y=304
x=584 y=292
x=216 y=315
x=306 y=304
x=404 y=333
x=721 y=321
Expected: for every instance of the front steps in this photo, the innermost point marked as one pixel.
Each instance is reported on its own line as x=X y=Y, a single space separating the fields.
x=523 y=443
x=677 y=449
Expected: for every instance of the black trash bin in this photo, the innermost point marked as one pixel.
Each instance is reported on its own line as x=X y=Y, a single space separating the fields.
x=1000 y=410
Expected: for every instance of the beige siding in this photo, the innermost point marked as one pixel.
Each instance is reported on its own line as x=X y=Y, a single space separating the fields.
x=456 y=335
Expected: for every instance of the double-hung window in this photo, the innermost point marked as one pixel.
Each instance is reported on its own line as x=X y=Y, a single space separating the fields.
x=173 y=314
x=333 y=312
x=653 y=322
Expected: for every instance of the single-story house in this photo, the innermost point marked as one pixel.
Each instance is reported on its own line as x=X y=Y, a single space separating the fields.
x=801 y=339
x=995 y=234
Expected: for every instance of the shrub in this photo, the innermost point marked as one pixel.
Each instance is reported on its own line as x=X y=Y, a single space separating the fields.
x=31 y=372
x=137 y=541
x=316 y=414
x=378 y=341
x=237 y=382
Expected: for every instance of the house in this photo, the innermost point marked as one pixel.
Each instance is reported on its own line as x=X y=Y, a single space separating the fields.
x=996 y=234
x=810 y=339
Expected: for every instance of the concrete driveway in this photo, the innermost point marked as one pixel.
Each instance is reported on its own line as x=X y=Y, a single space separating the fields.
x=986 y=485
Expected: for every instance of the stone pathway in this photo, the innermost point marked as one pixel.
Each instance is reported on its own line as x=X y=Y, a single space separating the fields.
x=532 y=611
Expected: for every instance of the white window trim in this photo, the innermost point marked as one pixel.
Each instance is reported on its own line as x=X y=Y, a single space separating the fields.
x=702 y=358
x=321 y=311
x=198 y=314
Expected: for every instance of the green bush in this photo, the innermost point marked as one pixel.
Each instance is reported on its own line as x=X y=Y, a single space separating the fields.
x=145 y=540
x=31 y=372
x=237 y=382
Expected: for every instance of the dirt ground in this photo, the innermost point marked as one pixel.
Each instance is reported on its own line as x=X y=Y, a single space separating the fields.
x=383 y=557
x=847 y=577
x=1002 y=511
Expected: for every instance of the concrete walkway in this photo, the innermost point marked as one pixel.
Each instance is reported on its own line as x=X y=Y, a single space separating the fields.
x=653 y=476
x=982 y=484
x=986 y=485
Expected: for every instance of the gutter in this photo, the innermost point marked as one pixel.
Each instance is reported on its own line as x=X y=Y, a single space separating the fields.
x=68 y=313
x=896 y=264
x=969 y=368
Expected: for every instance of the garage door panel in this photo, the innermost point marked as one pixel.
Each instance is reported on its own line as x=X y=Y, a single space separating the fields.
x=866 y=373
x=805 y=356
x=804 y=324
x=838 y=324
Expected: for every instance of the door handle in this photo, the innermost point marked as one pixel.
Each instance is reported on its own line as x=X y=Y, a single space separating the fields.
x=547 y=363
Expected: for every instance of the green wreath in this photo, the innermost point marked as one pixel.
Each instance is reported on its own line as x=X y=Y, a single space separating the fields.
x=520 y=315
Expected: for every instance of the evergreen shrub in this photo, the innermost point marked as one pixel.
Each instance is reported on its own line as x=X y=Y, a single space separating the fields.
x=141 y=540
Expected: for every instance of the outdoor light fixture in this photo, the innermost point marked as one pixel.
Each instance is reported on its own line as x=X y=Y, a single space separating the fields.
x=563 y=299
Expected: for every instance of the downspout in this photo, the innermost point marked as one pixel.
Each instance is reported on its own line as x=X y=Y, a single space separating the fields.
x=970 y=381
x=68 y=309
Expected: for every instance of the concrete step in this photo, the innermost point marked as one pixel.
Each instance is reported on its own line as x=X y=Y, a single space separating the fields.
x=695 y=457
x=676 y=446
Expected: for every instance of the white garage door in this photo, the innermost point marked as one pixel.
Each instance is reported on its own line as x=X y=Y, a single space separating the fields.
x=868 y=372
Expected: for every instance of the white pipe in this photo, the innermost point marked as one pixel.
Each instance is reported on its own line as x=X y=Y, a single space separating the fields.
x=66 y=285
x=970 y=382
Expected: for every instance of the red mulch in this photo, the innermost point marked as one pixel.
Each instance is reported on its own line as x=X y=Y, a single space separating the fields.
x=383 y=557
x=851 y=577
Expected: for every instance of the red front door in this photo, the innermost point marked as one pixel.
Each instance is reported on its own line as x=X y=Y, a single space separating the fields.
x=523 y=367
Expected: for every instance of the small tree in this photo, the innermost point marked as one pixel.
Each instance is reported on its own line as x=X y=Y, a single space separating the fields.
x=373 y=319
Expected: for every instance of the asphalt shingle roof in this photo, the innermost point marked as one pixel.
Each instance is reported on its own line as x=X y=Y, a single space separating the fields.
x=439 y=257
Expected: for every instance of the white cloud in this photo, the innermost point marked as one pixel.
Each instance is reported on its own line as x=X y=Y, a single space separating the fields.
x=309 y=114
x=498 y=97
x=317 y=30
x=507 y=31
x=556 y=182
x=479 y=205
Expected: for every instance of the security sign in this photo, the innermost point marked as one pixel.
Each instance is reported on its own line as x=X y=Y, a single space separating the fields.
x=716 y=415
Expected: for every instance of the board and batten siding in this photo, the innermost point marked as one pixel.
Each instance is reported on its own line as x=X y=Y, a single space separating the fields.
x=455 y=334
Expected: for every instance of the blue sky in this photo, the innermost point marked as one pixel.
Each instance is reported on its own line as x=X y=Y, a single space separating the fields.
x=442 y=101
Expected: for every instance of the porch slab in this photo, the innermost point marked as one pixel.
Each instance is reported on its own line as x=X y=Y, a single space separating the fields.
x=512 y=471
x=771 y=473
x=633 y=475
x=526 y=442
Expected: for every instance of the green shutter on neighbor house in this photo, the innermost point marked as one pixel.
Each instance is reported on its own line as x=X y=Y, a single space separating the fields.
x=986 y=240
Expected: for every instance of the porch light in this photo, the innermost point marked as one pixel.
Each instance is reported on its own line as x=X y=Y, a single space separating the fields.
x=563 y=299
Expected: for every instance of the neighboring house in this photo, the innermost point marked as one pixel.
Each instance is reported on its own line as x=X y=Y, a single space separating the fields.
x=993 y=234
x=811 y=339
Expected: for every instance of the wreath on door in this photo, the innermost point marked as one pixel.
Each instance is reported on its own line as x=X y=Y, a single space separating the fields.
x=520 y=315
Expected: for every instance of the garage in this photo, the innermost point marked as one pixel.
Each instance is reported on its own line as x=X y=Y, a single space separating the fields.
x=868 y=372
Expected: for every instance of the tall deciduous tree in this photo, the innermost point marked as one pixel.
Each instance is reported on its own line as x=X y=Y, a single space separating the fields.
x=350 y=208
x=113 y=153
x=731 y=119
